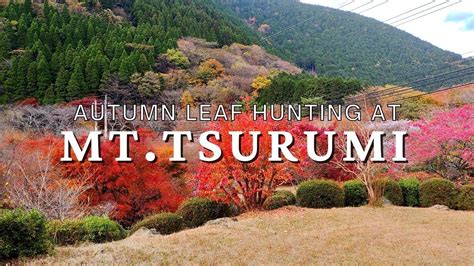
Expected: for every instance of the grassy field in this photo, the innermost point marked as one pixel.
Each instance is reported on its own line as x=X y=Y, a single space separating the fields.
x=300 y=236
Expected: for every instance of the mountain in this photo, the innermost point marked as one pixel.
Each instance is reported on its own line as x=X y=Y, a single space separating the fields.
x=197 y=18
x=64 y=50
x=340 y=43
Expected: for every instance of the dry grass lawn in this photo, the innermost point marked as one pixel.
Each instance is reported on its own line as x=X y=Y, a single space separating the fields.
x=390 y=235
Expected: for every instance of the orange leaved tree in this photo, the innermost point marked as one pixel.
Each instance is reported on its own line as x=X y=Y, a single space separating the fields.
x=136 y=188
x=246 y=184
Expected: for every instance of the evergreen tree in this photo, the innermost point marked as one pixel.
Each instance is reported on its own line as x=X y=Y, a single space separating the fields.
x=43 y=76
x=27 y=7
x=49 y=96
x=92 y=75
x=76 y=85
x=61 y=85
x=143 y=64
x=12 y=79
x=127 y=68
x=31 y=77
x=4 y=45
x=22 y=73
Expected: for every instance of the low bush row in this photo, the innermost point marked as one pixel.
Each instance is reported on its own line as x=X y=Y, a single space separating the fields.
x=192 y=213
x=406 y=192
x=89 y=229
x=28 y=233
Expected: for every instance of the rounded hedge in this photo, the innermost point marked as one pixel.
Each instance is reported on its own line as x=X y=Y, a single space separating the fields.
x=23 y=234
x=196 y=211
x=411 y=191
x=391 y=190
x=165 y=223
x=465 y=200
x=437 y=191
x=319 y=194
x=355 y=193
x=68 y=232
x=279 y=199
x=101 y=229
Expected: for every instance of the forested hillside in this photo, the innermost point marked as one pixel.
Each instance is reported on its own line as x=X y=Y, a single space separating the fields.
x=61 y=52
x=338 y=43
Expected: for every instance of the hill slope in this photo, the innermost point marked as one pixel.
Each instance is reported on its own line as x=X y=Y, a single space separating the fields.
x=297 y=236
x=61 y=52
x=334 y=42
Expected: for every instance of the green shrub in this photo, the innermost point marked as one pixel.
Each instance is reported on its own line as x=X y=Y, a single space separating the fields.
x=355 y=193
x=177 y=58
x=165 y=223
x=465 y=198
x=197 y=211
x=279 y=199
x=68 y=232
x=319 y=194
x=411 y=191
x=391 y=190
x=102 y=229
x=23 y=234
x=437 y=191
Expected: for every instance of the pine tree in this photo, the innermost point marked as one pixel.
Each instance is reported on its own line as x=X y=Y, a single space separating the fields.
x=27 y=7
x=49 y=96
x=11 y=79
x=61 y=84
x=4 y=44
x=92 y=75
x=31 y=77
x=143 y=64
x=76 y=85
x=43 y=76
x=127 y=68
x=22 y=73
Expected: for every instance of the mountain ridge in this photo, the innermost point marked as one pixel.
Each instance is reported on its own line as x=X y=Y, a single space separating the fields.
x=335 y=42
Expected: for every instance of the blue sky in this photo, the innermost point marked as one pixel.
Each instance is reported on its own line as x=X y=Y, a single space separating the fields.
x=465 y=18
x=450 y=29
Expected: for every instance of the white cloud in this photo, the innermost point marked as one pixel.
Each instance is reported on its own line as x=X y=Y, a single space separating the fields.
x=434 y=28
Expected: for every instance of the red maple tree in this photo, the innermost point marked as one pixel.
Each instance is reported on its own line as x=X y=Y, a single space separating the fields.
x=137 y=188
x=247 y=184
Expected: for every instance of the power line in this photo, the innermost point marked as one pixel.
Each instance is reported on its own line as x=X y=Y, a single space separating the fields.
x=368 y=3
x=267 y=38
x=409 y=90
x=420 y=12
x=411 y=10
x=425 y=76
x=437 y=91
x=370 y=8
x=346 y=4
x=459 y=1
x=392 y=90
x=420 y=73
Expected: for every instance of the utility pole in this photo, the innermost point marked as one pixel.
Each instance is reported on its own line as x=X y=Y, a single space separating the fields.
x=105 y=117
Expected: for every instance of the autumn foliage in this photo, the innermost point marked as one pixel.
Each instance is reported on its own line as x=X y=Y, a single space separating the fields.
x=138 y=188
x=133 y=189
x=444 y=144
x=248 y=184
